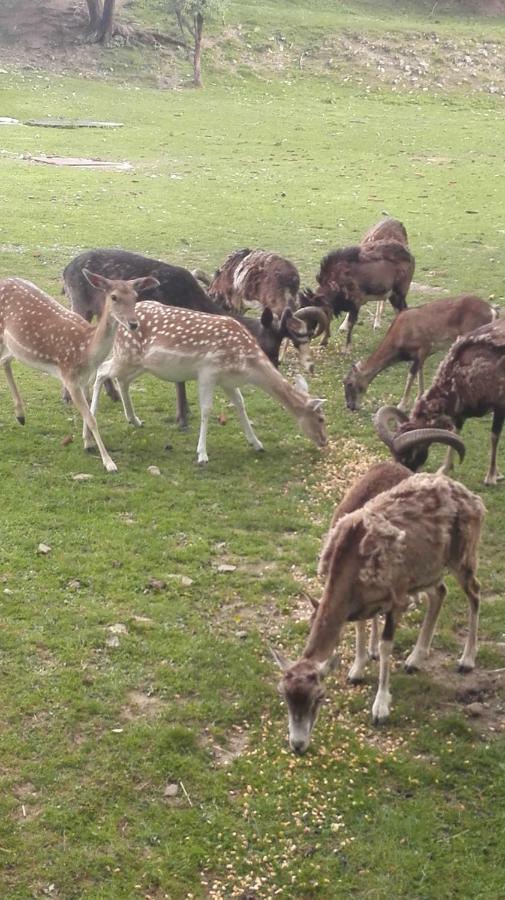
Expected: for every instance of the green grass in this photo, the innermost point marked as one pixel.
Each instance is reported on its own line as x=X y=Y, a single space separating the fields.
x=298 y=165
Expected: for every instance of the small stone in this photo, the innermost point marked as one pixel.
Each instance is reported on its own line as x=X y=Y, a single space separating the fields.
x=73 y=584
x=153 y=470
x=475 y=710
x=118 y=628
x=225 y=567
x=156 y=584
x=186 y=581
x=241 y=635
x=67 y=440
x=8 y=592
x=112 y=641
x=82 y=476
x=171 y=790
x=44 y=549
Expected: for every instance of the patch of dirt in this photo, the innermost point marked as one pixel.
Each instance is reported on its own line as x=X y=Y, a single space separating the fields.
x=142 y=706
x=27 y=810
x=50 y=35
x=485 y=687
x=225 y=753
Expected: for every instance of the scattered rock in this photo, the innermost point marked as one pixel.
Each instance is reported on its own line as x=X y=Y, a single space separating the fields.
x=171 y=790
x=82 y=476
x=74 y=584
x=112 y=641
x=156 y=584
x=225 y=567
x=475 y=710
x=183 y=579
x=118 y=628
x=43 y=549
x=153 y=470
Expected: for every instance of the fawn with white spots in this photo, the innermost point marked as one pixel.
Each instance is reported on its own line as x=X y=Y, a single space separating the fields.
x=39 y=331
x=183 y=345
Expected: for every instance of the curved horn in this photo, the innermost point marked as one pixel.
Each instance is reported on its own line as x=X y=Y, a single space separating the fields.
x=381 y=422
x=428 y=435
x=309 y=313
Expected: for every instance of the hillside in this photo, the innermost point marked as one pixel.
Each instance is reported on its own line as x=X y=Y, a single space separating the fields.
x=403 y=47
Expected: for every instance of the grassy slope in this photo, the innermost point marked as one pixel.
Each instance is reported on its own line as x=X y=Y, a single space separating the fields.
x=300 y=166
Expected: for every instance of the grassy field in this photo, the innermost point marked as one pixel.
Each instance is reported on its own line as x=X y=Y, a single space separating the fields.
x=143 y=746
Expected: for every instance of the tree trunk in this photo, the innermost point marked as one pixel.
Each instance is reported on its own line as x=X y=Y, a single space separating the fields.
x=197 y=57
x=107 y=23
x=95 y=14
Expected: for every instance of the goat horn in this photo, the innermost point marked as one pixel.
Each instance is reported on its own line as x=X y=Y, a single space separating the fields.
x=381 y=422
x=429 y=435
x=309 y=313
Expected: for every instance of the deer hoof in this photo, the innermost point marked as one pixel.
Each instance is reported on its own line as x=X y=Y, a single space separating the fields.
x=111 y=468
x=465 y=669
x=21 y=420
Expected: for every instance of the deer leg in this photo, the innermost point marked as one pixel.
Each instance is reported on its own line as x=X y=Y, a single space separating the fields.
x=382 y=703
x=79 y=400
x=379 y=309
x=471 y=587
x=403 y=404
x=124 y=393
x=238 y=402
x=345 y=324
x=182 y=407
x=420 y=380
x=18 y=403
x=493 y=475
x=353 y=316
x=206 y=387
x=448 y=463
x=356 y=672
x=421 y=651
x=373 y=643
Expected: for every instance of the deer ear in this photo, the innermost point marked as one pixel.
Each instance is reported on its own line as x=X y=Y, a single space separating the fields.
x=267 y=317
x=317 y=403
x=143 y=284
x=97 y=281
x=280 y=659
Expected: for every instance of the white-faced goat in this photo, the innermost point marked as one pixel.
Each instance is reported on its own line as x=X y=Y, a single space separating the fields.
x=178 y=287
x=413 y=336
x=182 y=345
x=399 y=543
x=469 y=382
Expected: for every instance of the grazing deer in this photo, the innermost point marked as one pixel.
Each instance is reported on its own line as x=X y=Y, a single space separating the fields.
x=413 y=336
x=399 y=543
x=180 y=345
x=42 y=333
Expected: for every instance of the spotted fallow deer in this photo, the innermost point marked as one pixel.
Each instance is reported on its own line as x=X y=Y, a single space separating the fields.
x=183 y=345
x=42 y=333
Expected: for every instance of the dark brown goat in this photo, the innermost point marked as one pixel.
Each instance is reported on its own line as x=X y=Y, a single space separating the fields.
x=250 y=277
x=351 y=277
x=470 y=382
x=179 y=288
